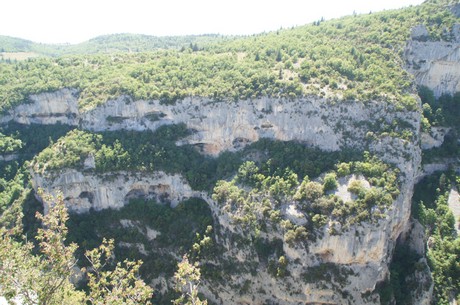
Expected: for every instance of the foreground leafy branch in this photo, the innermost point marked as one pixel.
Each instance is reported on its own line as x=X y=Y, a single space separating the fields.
x=46 y=278
x=118 y=286
x=187 y=278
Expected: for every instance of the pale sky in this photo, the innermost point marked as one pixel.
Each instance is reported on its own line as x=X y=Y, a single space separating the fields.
x=74 y=21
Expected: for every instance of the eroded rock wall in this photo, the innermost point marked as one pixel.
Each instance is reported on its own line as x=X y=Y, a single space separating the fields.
x=435 y=64
x=364 y=251
x=83 y=191
x=47 y=108
x=221 y=126
x=344 y=268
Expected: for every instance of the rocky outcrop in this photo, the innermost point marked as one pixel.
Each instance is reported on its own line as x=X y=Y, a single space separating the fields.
x=363 y=252
x=84 y=191
x=434 y=138
x=222 y=126
x=435 y=64
x=455 y=9
x=348 y=265
x=47 y=108
x=8 y=157
x=454 y=206
x=420 y=33
x=421 y=280
x=332 y=269
x=442 y=166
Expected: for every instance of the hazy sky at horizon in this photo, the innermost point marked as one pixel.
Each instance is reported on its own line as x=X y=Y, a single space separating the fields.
x=70 y=21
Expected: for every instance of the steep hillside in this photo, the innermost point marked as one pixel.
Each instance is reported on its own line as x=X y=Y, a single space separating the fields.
x=284 y=164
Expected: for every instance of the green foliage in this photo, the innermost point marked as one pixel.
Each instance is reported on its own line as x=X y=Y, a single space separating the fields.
x=44 y=278
x=352 y=58
x=343 y=169
x=114 y=43
x=33 y=139
x=356 y=187
x=330 y=182
x=444 y=112
x=297 y=234
x=309 y=191
x=247 y=173
x=187 y=278
x=179 y=229
x=430 y=207
x=365 y=65
x=327 y=272
x=118 y=286
x=267 y=248
x=57 y=255
x=281 y=270
x=112 y=157
x=33 y=278
x=12 y=44
x=403 y=266
x=147 y=151
x=11 y=190
x=15 y=175
x=8 y=144
x=68 y=152
x=449 y=149
x=301 y=159
x=426 y=95
x=255 y=199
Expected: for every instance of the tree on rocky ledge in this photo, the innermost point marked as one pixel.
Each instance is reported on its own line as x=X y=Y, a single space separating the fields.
x=46 y=278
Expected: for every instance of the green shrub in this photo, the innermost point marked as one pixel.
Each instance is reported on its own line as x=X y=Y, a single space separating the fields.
x=330 y=182
x=356 y=187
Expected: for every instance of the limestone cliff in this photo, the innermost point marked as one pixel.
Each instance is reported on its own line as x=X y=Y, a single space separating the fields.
x=83 y=192
x=363 y=253
x=435 y=64
x=221 y=126
x=353 y=262
x=47 y=108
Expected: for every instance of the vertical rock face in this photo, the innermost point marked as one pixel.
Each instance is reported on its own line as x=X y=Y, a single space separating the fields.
x=340 y=268
x=47 y=108
x=363 y=253
x=420 y=33
x=221 y=126
x=83 y=191
x=435 y=64
x=454 y=205
x=434 y=138
x=456 y=10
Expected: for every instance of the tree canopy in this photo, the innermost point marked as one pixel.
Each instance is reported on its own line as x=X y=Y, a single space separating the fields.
x=351 y=58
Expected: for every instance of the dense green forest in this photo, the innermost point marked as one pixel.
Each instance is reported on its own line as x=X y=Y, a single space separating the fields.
x=365 y=65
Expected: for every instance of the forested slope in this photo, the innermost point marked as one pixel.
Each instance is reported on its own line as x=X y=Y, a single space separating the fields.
x=366 y=64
